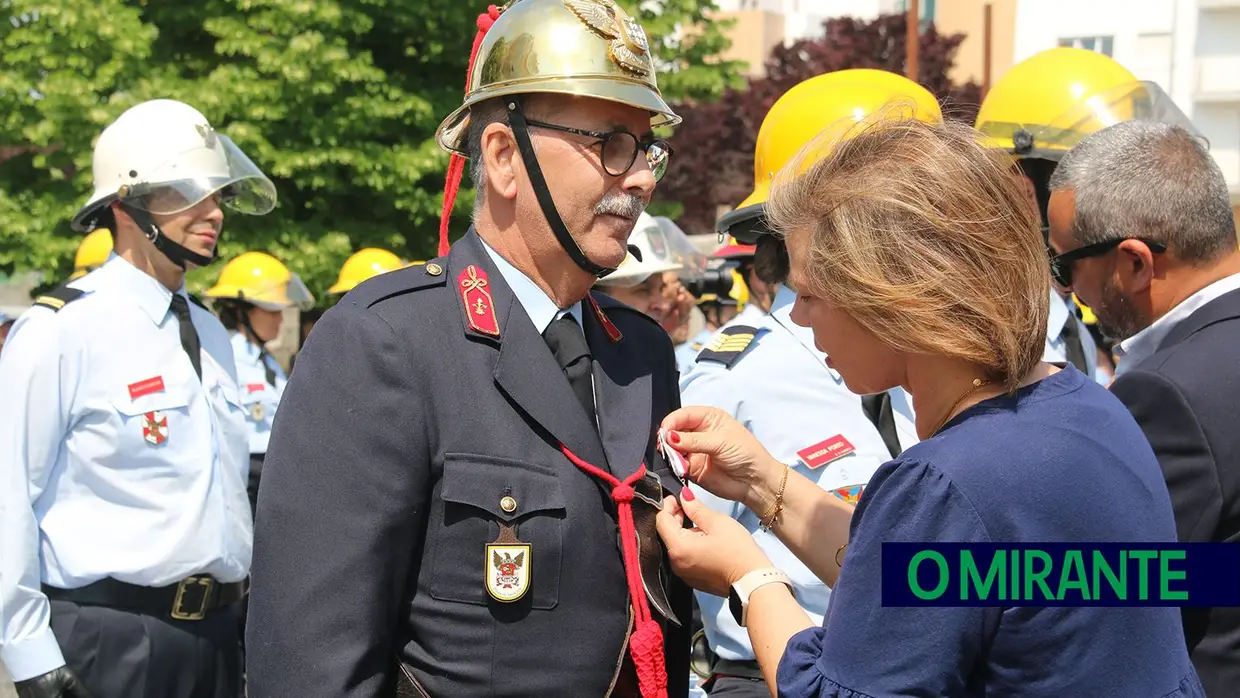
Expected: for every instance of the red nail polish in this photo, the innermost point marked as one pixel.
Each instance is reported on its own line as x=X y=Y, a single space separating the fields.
x=686 y=494
x=674 y=437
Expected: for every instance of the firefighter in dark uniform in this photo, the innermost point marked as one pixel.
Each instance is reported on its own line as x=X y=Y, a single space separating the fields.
x=458 y=496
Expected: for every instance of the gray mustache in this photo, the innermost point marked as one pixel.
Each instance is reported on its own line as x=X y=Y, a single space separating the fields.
x=623 y=205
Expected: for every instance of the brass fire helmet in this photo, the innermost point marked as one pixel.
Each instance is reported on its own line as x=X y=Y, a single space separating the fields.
x=591 y=48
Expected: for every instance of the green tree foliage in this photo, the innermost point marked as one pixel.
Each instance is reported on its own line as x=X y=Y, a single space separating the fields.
x=337 y=101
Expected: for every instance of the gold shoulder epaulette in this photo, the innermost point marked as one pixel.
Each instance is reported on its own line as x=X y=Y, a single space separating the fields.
x=729 y=344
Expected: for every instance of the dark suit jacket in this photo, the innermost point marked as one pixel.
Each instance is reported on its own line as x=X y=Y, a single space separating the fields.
x=397 y=439
x=1186 y=397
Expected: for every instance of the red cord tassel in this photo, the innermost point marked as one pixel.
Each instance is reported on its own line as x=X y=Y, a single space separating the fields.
x=456 y=163
x=646 y=644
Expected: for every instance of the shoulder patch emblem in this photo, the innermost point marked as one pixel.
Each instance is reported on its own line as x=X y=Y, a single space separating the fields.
x=58 y=298
x=729 y=344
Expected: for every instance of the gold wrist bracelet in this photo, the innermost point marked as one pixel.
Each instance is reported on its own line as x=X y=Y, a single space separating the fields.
x=768 y=521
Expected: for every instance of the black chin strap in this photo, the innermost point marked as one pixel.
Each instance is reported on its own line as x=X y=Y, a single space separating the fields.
x=516 y=119
x=268 y=372
x=179 y=255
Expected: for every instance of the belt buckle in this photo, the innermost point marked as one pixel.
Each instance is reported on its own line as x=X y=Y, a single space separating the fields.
x=192 y=592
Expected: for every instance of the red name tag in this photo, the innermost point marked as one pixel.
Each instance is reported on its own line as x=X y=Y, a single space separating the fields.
x=253 y=387
x=146 y=387
x=822 y=453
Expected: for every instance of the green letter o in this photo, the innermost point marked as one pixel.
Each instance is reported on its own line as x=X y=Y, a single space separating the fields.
x=944 y=577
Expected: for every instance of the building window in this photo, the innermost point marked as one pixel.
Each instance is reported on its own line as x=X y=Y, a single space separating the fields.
x=1100 y=44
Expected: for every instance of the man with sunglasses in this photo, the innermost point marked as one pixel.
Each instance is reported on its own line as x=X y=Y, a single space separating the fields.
x=459 y=495
x=126 y=531
x=1141 y=220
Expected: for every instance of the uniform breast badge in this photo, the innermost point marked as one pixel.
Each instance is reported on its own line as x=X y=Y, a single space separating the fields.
x=508 y=563
x=257 y=412
x=155 y=428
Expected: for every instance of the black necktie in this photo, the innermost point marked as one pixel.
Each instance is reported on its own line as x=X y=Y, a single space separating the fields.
x=1073 y=348
x=878 y=409
x=568 y=344
x=189 y=336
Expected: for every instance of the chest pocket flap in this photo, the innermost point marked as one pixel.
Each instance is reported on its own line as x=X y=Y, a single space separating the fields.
x=478 y=496
x=485 y=482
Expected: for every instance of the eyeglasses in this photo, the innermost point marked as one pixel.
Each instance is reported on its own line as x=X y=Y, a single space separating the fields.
x=620 y=149
x=1061 y=264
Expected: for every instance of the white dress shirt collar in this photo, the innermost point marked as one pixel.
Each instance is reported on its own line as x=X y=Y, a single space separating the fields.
x=537 y=304
x=152 y=296
x=1143 y=344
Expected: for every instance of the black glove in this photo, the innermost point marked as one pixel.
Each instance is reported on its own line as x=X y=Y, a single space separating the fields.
x=57 y=683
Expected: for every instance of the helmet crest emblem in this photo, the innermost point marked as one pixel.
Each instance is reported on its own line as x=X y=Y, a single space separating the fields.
x=629 y=47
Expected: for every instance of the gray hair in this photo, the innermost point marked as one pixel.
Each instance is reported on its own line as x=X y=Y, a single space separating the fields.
x=1150 y=180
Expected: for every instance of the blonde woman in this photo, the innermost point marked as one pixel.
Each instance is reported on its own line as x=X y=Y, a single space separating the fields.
x=918 y=263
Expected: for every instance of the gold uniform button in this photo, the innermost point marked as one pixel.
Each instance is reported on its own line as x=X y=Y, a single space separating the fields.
x=508 y=504
x=434 y=269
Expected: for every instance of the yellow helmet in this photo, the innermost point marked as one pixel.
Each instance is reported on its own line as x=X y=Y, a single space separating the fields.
x=836 y=101
x=364 y=264
x=259 y=279
x=591 y=48
x=92 y=253
x=1050 y=101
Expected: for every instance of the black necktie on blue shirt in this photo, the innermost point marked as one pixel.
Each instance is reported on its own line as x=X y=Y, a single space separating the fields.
x=568 y=344
x=1074 y=350
x=189 y=336
x=878 y=408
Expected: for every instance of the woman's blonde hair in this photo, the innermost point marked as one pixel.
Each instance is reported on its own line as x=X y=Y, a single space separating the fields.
x=924 y=236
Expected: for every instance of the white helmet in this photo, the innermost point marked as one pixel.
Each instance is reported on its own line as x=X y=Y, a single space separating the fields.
x=163 y=157
x=657 y=256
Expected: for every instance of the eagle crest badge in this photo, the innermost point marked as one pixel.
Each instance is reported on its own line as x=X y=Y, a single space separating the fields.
x=508 y=571
x=628 y=48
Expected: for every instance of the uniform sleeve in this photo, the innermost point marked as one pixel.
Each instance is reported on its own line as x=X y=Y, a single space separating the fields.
x=866 y=649
x=33 y=420
x=341 y=513
x=708 y=385
x=1179 y=442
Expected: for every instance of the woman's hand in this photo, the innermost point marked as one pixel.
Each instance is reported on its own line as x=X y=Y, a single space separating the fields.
x=712 y=556
x=724 y=458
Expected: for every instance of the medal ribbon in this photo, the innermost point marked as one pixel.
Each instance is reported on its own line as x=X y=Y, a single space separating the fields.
x=646 y=645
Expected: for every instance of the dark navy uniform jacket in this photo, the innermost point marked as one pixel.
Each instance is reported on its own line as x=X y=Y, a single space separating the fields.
x=398 y=440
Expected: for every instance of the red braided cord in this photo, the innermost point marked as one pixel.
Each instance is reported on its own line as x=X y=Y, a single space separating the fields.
x=456 y=163
x=646 y=644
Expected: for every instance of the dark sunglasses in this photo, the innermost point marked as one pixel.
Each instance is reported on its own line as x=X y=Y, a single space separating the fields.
x=1061 y=264
x=620 y=148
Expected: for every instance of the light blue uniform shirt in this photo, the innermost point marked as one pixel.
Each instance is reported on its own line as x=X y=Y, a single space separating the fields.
x=259 y=398
x=115 y=460
x=1056 y=351
x=687 y=353
x=783 y=392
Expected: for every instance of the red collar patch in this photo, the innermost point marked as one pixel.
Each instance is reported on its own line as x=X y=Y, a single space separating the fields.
x=613 y=333
x=825 y=452
x=479 y=307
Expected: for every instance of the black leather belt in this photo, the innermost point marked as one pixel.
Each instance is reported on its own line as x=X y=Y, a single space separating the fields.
x=190 y=599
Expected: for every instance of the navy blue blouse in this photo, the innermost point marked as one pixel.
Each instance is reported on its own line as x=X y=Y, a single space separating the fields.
x=1062 y=460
